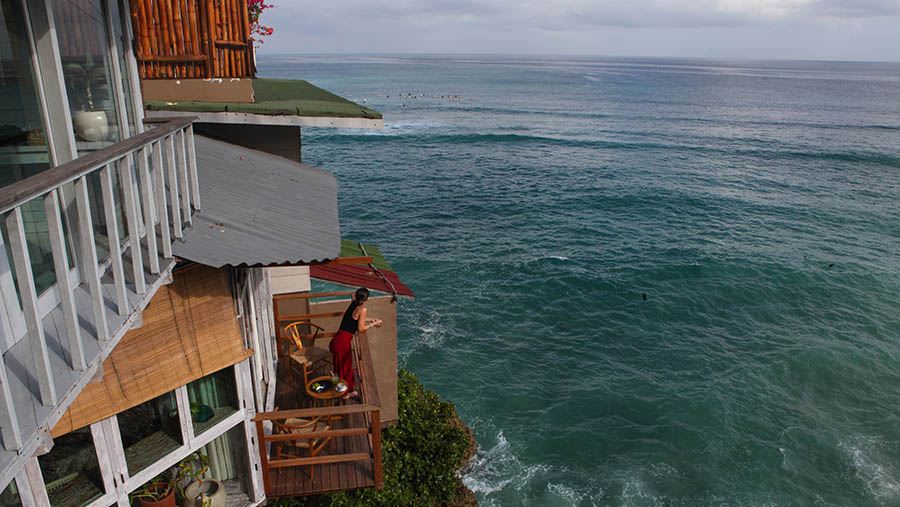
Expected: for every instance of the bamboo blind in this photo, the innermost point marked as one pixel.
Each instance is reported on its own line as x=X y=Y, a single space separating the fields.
x=178 y=39
x=190 y=330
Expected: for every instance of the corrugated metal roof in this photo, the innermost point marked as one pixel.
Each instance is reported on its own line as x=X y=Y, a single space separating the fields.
x=260 y=210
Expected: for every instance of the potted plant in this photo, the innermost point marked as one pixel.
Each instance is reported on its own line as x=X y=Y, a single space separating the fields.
x=158 y=492
x=82 y=81
x=199 y=492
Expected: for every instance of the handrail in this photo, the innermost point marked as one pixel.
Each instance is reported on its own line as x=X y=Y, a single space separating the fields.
x=302 y=413
x=311 y=295
x=25 y=190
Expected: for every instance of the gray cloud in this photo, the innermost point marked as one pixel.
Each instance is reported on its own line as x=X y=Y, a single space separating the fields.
x=580 y=25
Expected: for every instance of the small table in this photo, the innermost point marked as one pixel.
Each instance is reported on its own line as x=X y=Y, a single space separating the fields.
x=328 y=394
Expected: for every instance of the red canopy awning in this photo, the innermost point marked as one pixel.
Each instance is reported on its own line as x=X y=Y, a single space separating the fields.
x=361 y=275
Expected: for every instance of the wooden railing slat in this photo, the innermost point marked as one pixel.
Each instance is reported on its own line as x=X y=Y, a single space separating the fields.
x=319 y=460
x=126 y=173
x=192 y=164
x=290 y=437
x=147 y=200
x=112 y=232
x=9 y=424
x=183 y=173
x=173 y=186
x=159 y=178
x=310 y=295
x=19 y=249
x=13 y=321
x=61 y=267
x=89 y=254
x=306 y=413
x=302 y=316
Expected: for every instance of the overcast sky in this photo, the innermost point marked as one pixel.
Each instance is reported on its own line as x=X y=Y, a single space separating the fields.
x=754 y=29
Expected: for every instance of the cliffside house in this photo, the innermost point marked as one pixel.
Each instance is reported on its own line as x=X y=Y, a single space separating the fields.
x=159 y=232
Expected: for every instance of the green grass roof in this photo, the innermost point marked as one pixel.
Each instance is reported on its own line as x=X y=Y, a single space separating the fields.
x=277 y=97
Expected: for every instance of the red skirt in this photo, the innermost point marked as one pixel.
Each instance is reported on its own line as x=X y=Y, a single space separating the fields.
x=342 y=357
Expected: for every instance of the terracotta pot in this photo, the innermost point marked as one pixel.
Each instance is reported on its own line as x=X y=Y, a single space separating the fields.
x=168 y=501
x=212 y=488
x=91 y=125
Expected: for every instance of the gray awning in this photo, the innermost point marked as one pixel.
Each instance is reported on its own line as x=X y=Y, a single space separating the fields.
x=260 y=210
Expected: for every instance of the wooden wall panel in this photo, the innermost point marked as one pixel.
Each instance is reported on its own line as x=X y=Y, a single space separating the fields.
x=178 y=39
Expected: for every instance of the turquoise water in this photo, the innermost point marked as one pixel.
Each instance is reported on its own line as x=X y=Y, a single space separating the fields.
x=756 y=207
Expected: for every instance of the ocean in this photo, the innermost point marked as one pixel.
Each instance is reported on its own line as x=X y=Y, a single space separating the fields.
x=641 y=281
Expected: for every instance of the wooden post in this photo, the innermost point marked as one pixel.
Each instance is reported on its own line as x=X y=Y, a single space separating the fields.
x=213 y=66
x=263 y=457
x=376 y=447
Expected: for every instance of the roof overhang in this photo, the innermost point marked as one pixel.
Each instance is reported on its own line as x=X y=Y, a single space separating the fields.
x=256 y=101
x=361 y=265
x=260 y=209
x=264 y=119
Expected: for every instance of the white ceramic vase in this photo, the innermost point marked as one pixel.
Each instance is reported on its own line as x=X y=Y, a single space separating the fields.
x=91 y=125
x=212 y=488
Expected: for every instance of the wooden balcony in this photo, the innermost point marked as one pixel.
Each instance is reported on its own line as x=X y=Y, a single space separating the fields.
x=53 y=343
x=352 y=461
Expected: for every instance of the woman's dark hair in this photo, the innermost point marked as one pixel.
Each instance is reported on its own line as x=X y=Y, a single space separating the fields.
x=362 y=294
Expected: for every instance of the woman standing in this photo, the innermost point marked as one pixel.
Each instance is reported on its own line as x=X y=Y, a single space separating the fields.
x=354 y=321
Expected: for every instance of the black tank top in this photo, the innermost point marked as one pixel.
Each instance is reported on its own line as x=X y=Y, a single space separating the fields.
x=348 y=323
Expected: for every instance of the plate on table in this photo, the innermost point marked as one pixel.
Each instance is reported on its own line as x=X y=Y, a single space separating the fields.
x=341 y=387
x=320 y=386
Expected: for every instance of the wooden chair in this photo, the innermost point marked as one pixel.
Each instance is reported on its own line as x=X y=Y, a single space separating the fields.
x=303 y=357
x=293 y=448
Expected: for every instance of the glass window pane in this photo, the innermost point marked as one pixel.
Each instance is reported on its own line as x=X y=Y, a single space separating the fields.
x=84 y=49
x=150 y=431
x=228 y=464
x=121 y=44
x=23 y=144
x=10 y=495
x=71 y=470
x=213 y=398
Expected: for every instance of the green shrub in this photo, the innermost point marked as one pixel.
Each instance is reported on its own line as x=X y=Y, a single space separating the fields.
x=420 y=454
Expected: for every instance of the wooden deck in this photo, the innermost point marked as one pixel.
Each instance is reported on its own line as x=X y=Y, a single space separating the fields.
x=328 y=477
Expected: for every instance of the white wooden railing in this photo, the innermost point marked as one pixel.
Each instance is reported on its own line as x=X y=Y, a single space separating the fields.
x=157 y=175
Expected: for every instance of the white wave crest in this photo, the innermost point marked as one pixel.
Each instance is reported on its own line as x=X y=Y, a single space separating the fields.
x=874 y=469
x=498 y=469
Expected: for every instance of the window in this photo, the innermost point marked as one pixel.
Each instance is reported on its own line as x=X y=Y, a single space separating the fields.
x=150 y=431
x=23 y=143
x=84 y=50
x=71 y=471
x=228 y=463
x=213 y=398
x=10 y=496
